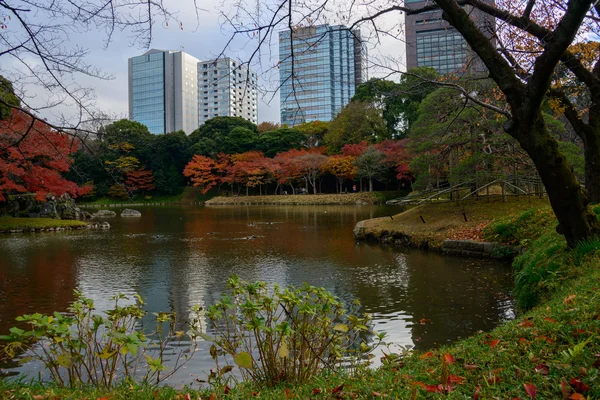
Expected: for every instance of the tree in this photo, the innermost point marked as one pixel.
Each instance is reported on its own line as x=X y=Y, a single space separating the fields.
x=310 y=164
x=356 y=122
x=314 y=132
x=342 y=167
x=8 y=100
x=141 y=180
x=209 y=139
x=370 y=165
x=33 y=157
x=280 y=140
x=267 y=126
x=398 y=102
x=167 y=157
x=202 y=172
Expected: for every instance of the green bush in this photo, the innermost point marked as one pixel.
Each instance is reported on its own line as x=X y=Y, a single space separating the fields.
x=85 y=348
x=285 y=335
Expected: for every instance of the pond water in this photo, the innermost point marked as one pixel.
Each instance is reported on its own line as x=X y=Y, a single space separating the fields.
x=179 y=256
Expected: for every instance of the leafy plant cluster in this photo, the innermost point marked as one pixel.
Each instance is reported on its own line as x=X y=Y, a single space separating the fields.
x=286 y=335
x=84 y=347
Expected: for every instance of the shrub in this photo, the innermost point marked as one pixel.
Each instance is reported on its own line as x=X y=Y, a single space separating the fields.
x=87 y=348
x=286 y=335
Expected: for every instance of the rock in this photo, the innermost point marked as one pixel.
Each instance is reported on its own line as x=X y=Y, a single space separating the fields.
x=360 y=202
x=105 y=225
x=65 y=207
x=86 y=215
x=105 y=214
x=48 y=209
x=359 y=230
x=128 y=212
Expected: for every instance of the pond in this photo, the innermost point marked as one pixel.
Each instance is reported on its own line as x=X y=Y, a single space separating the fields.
x=179 y=256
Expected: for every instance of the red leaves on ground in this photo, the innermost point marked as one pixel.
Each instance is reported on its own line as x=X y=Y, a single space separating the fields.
x=526 y=324
x=542 y=369
x=547 y=319
x=426 y=355
x=577 y=396
x=471 y=367
x=316 y=391
x=530 y=389
x=578 y=386
x=493 y=343
x=448 y=358
x=338 y=389
x=424 y=321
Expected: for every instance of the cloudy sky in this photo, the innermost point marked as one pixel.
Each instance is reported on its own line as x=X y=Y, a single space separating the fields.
x=203 y=35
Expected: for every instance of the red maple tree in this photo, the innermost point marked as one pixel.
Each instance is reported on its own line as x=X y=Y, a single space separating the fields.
x=32 y=158
x=202 y=172
x=141 y=180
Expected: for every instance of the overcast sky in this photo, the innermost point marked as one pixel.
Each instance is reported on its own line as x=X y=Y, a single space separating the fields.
x=203 y=36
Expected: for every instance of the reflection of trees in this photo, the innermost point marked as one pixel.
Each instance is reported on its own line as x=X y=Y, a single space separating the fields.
x=34 y=281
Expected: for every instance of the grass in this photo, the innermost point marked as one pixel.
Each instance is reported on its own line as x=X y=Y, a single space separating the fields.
x=308 y=199
x=552 y=349
x=447 y=221
x=8 y=223
x=188 y=195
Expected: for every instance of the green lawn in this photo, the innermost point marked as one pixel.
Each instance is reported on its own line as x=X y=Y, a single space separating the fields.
x=8 y=223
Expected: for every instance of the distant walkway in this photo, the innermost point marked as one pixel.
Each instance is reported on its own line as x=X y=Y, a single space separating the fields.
x=302 y=199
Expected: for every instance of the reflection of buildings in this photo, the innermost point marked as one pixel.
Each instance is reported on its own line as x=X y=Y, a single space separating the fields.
x=432 y=42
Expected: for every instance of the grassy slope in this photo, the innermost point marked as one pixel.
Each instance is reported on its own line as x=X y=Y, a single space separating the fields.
x=189 y=195
x=554 y=347
x=446 y=220
x=7 y=223
x=349 y=198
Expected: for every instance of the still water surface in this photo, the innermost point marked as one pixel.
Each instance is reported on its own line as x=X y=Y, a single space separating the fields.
x=180 y=256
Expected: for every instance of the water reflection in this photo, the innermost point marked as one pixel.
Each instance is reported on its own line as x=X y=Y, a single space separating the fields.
x=176 y=257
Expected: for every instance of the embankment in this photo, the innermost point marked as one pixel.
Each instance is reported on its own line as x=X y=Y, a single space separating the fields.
x=302 y=199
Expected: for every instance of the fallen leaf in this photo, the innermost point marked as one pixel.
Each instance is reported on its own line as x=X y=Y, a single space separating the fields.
x=493 y=343
x=542 y=369
x=38 y=397
x=213 y=396
x=424 y=321
x=471 y=367
x=476 y=394
x=565 y=389
x=289 y=394
x=227 y=389
x=187 y=397
x=426 y=355
x=547 y=319
x=338 y=389
x=530 y=389
x=526 y=324
x=316 y=391
x=576 y=396
x=457 y=380
x=375 y=394
x=448 y=358
x=578 y=386
x=570 y=299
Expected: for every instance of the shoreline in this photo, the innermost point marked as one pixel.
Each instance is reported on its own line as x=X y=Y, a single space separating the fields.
x=11 y=225
x=362 y=198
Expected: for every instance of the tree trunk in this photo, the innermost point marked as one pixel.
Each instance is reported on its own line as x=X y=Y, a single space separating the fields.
x=576 y=221
x=370 y=184
x=591 y=150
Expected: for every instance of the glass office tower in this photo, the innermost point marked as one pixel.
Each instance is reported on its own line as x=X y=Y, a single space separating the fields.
x=147 y=91
x=319 y=69
x=432 y=42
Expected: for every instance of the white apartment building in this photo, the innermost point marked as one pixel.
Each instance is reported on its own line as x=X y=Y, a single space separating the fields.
x=226 y=88
x=172 y=90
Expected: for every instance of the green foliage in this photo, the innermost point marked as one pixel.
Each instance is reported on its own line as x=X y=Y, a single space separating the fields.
x=7 y=95
x=357 y=122
x=285 y=335
x=280 y=140
x=84 y=347
x=209 y=138
x=239 y=140
x=371 y=165
x=521 y=229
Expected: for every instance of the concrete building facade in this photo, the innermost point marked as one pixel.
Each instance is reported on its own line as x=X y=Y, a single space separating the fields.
x=168 y=91
x=226 y=88
x=319 y=69
x=432 y=42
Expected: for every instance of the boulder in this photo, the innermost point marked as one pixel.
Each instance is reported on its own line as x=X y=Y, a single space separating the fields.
x=105 y=225
x=86 y=215
x=65 y=207
x=128 y=212
x=105 y=214
x=48 y=209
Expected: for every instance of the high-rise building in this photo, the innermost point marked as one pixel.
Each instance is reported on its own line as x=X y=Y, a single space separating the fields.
x=226 y=88
x=319 y=69
x=432 y=42
x=168 y=91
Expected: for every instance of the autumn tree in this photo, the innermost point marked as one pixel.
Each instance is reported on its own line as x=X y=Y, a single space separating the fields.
x=202 y=172
x=342 y=167
x=267 y=126
x=141 y=180
x=33 y=158
x=310 y=164
x=314 y=133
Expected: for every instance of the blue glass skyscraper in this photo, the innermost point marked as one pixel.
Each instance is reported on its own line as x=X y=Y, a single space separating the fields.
x=319 y=69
